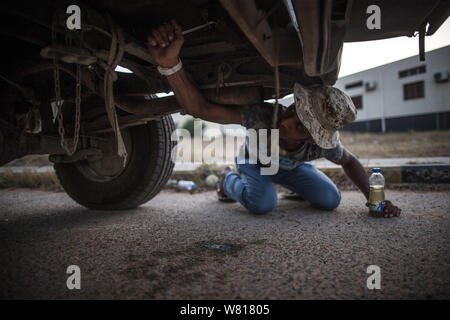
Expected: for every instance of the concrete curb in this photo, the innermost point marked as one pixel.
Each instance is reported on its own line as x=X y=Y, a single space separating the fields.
x=433 y=173
x=423 y=173
x=430 y=173
x=391 y=174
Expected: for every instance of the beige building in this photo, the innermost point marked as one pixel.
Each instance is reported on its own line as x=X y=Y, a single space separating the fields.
x=403 y=95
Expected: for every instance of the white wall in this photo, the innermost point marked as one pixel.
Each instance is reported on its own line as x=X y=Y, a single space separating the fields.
x=388 y=97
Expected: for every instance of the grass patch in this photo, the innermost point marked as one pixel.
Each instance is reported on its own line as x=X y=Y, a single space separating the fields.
x=30 y=178
x=419 y=162
x=398 y=144
x=411 y=144
x=31 y=160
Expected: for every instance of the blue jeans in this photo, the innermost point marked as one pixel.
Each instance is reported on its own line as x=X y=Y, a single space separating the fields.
x=257 y=193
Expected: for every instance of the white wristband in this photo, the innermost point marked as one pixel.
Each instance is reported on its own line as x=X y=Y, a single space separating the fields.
x=172 y=70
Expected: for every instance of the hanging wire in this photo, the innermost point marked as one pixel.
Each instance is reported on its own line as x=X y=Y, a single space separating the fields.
x=277 y=75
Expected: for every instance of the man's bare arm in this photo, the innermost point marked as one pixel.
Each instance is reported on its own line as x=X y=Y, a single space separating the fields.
x=355 y=171
x=196 y=105
x=164 y=45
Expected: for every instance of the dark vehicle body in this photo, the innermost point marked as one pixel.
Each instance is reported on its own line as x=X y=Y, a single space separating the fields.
x=233 y=59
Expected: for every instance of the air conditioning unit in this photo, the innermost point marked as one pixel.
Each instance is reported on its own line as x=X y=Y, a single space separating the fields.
x=441 y=76
x=371 y=85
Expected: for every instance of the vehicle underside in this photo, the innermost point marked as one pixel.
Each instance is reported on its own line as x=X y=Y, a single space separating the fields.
x=61 y=96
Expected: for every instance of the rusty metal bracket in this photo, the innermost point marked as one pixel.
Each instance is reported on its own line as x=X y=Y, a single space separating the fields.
x=68 y=54
x=258 y=30
x=77 y=156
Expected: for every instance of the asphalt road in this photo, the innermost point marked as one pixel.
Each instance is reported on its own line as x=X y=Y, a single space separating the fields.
x=182 y=246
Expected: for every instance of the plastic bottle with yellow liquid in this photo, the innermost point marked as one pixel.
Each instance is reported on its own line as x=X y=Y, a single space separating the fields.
x=376 y=195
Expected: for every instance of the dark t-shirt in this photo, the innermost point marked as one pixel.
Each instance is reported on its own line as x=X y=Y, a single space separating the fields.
x=259 y=116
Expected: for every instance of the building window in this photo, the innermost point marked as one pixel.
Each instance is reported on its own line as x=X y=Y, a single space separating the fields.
x=413 y=90
x=357 y=101
x=412 y=71
x=354 y=85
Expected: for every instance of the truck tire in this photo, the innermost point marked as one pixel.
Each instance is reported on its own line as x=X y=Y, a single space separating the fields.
x=149 y=166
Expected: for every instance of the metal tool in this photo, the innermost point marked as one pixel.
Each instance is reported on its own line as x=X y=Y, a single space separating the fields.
x=198 y=27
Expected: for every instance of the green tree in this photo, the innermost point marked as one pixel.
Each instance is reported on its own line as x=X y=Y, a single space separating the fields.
x=188 y=124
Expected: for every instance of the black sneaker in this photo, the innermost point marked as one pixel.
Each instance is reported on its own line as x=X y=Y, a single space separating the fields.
x=221 y=196
x=291 y=195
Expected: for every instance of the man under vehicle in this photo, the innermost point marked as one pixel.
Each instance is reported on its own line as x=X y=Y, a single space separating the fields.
x=308 y=130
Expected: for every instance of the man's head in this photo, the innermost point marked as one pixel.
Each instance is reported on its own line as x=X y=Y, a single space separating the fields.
x=291 y=128
x=317 y=116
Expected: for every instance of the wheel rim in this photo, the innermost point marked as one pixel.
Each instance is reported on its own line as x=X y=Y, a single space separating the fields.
x=110 y=165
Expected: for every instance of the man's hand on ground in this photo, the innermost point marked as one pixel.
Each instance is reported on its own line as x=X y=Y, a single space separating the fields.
x=390 y=210
x=165 y=44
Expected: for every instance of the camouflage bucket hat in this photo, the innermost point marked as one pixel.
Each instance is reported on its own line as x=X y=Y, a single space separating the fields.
x=323 y=111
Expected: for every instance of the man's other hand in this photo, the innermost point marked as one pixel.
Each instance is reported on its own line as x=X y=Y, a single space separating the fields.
x=390 y=210
x=165 y=44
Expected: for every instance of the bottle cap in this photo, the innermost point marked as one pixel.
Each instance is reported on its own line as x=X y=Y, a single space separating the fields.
x=376 y=170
